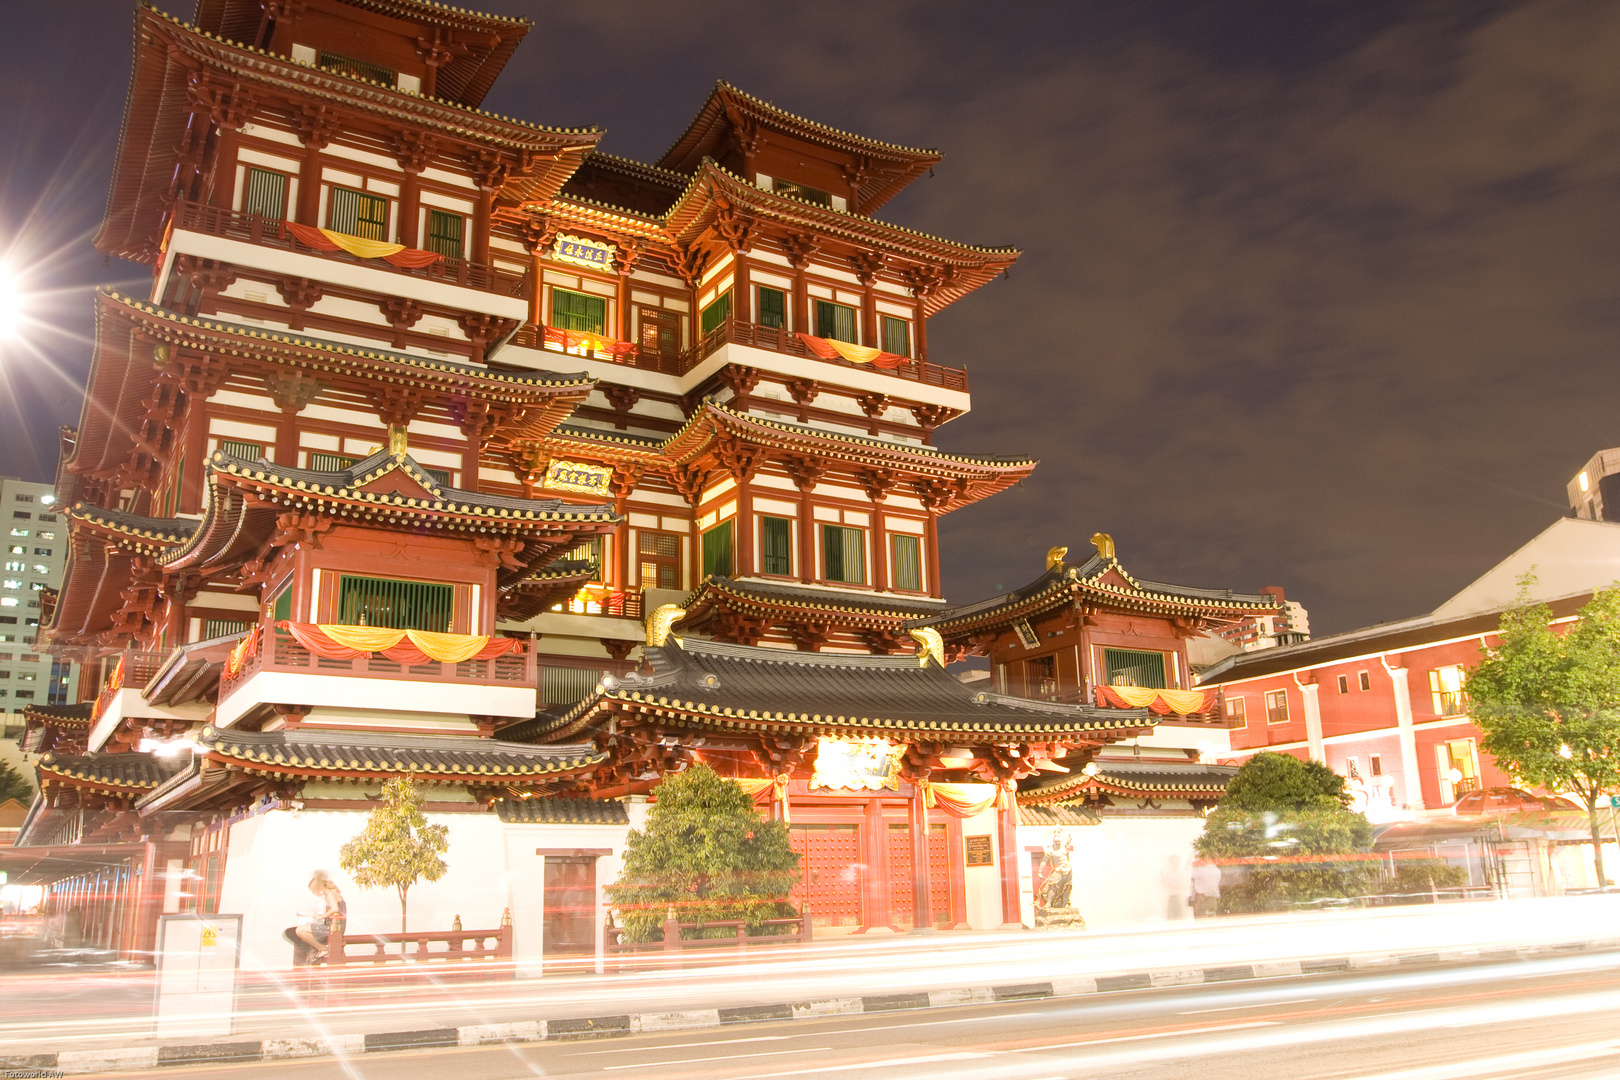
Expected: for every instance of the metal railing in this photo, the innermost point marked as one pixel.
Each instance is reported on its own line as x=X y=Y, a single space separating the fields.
x=754 y=335
x=272 y=232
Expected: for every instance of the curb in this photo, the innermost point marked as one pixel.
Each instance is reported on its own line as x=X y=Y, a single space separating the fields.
x=72 y=1062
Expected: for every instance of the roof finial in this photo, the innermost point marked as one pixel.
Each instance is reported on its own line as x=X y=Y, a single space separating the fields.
x=1054 y=557
x=929 y=644
x=398 y=441
x=1104 y=544
x=659 y=623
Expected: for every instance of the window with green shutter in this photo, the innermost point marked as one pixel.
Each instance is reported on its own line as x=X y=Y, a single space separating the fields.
x=320 y=462
x=717 y=550
x=907 y=562
x=252 y=451
x=896 y=336
x=400 y=605
x=842 y=556
x=440 y=476
x=1134 y=667
x=266 y=193
x=772 y=308
x=776 y=545
x=578 y=311
x=566 y=685
x=835 y=321
x=444 y=233
x=717 y=312
x=281 y=607
x=357 y=69
x=358 y=214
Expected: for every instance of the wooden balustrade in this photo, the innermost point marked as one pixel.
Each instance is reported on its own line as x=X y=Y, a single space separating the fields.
x=754 y=335
x=273 y=232
x=493 y=947
x=278 y=651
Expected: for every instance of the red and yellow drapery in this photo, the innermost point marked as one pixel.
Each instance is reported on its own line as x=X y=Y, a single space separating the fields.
x=584 y=339
x=361 y=248
x=338 y=642
x=1160 y=702
x=833 y=349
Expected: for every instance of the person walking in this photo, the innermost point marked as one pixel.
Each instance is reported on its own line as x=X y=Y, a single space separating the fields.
x=1206 y=888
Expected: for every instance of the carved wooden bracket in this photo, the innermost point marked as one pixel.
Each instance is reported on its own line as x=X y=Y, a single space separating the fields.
x=623 y=399
x=499 y=551
x=800 y=248
x=741 y=382
x=805 y=471
x=299 y=294
x=877 y=483
x=803 y=391
x=741 y=459
x=867 y=266
x=874 y=406
x=292 y=390
x=397 y=406
x=689 y=480
x=413 y=149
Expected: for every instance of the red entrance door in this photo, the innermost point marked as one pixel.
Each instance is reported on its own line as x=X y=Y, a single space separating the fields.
x=901 y=908
x=830 y=879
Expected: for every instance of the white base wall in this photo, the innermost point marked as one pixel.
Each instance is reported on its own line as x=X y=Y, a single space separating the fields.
x=1127 y=871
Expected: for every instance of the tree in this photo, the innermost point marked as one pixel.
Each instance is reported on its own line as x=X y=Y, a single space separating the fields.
x=14 y=785
x=397 y=847
x=1288 y=825
x=1548 y=703
x=707 y=853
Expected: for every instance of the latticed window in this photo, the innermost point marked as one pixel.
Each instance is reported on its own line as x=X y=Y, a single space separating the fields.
x=213 y=628
x=908 y=563
x=896 y=336
x=566 y=685
x=401 y=605
x=266 y=193
x=357 y=69
x=659 y=559
x=776 y=554
x=1134 y=667
x=319 y=462
x=717 y=550
x=578 y=311
x=717 y=312
x=250 y=450
x=772 y=308
x=1235 y=713
x=444 y=233
x=835 y=321
x=842 y=555
x=358 y=214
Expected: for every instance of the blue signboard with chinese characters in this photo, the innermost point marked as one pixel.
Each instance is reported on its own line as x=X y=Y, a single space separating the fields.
x=583 y=252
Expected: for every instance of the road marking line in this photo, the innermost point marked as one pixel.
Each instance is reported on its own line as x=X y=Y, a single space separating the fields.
x=718 y=1057
x=682 y=1046
x=1524 y=1059
x=961 y=1055
x=936 y=1023
x=1256 y=1005
x=1155 y=1035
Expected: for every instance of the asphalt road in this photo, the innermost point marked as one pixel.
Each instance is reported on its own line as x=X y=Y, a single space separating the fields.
x=1554 y=1017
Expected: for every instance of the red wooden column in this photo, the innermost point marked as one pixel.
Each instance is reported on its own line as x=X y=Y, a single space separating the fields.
x=1012 y=913
x=933 y=554
x=742 y=297
x=805 y=472
x=481 y=222
x=922 y=915
x=880 y=545
x=222 y=189
x=954 y=844
x=875 y=882
x=410 y=208
x=745 y=531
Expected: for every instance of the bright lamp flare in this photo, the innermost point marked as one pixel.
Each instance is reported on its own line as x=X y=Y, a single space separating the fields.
x=11 y=306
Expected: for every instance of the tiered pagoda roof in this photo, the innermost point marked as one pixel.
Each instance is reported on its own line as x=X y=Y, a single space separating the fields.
x=175 y=62
x=59 y=728
x=1146 y=779
x=724 y=608
x=735 y=688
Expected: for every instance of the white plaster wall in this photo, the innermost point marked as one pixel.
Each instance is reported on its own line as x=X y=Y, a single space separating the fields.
x=1127 y=871
x=526 y=878
x=982 y=884
x=270 y=859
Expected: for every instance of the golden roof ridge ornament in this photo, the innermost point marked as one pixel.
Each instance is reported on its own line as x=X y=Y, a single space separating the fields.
x=398 y=441
x=1054 y=557
x=929 y=644
x=1104 y=544
x=659 y=623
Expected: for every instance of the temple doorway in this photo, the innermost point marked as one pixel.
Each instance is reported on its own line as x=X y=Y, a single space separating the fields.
x=830 y=876
x=569 y=899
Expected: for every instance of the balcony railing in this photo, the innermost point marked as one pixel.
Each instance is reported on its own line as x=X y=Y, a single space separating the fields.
x=624 y=604
x=754 y=335
x=272 y=232
x=278 y=651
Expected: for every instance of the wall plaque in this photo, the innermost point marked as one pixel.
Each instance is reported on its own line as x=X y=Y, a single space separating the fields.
x=583 y=252
x=579 y=477
x=858 y=764
x=979 y=851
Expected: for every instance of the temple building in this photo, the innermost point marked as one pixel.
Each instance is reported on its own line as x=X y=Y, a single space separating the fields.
x=444 y=444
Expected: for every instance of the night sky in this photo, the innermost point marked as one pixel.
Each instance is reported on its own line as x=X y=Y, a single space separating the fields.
x=1313 y=294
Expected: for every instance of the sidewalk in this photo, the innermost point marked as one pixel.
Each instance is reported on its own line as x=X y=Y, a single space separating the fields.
x=841 y=976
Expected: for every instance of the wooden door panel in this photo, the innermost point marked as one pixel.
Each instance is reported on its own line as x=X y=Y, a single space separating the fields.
x=830 y=873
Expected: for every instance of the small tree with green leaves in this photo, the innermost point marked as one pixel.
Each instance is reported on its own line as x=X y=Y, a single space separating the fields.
x=397 y=847
x=1548 y=703
x=1288 y=823
x=706 y=853
x=14 y=785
